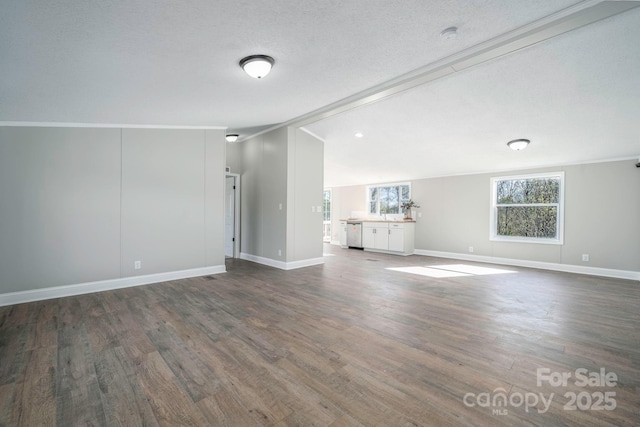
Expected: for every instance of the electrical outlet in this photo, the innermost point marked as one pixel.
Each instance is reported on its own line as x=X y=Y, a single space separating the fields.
x=585 y=257
x=279 y=252
x=280 y=206
x=313 y=208
x=137 y=265
x=470 y=248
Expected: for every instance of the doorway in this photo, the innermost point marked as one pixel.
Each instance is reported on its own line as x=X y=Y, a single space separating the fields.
x=232 y=216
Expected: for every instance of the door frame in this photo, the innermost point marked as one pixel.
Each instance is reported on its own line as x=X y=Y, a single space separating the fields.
x=236 y=219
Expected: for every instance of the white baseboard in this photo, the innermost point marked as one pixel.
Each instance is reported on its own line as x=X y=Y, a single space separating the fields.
x=567 y=268
x=104 y=285
x=382 y=251
x=281 y=264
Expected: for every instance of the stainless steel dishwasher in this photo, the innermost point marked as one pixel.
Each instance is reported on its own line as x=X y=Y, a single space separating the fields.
x=354 y=234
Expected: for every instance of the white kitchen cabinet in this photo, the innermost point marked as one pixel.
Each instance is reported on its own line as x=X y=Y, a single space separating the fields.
x=375 y=235
x=401 y=237
x=396 y=238
x=368 y=237
x=343 y=234
x=391 y=237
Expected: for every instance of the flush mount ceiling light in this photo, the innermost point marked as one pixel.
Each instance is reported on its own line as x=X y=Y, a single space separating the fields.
x=359 y=135
x=518 y=144
x=257 y=66
x=232 y=137
x=449 y=33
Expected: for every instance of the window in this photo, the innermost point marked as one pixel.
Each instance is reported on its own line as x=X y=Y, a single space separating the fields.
x=326 y=207
x=326 y=215
x=528 y=208
x=387 y=199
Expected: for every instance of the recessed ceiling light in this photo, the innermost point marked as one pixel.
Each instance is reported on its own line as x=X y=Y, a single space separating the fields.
x=359 y=135
x=257 y=66
x=449 y=33
x=518 y=144
x=232 y=137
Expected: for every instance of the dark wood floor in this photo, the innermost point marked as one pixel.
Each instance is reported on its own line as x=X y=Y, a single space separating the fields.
x=349 y=343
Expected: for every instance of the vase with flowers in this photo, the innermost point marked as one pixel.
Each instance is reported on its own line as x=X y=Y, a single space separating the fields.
x=406 y=208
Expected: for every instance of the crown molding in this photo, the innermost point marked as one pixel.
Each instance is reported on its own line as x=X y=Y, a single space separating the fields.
x=104 y=125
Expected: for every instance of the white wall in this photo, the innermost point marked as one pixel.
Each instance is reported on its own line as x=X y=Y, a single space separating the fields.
x=162 y=189
x=602 y=216
x=234 y=156
x=263 y=189
x=81 y=205
x=214 y=196
x=305 y=185
x=282 y=173
x=59 y=206
x=344 y=201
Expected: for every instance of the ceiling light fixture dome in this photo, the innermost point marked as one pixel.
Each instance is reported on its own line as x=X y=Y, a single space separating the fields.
x=518 y=144
x=449 y=33
x=257 y=66
x=232 y=137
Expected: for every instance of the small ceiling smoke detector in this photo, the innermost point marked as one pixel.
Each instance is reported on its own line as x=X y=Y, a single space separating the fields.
x=449 y=33
x=232 y=137
x=518 y=144
x=257 y=66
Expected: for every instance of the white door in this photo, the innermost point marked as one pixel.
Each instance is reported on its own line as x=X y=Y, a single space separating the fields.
x=230 y=217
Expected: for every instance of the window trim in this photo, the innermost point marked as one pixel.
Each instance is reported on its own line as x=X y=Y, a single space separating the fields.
x=391 y=184
x=493 y=208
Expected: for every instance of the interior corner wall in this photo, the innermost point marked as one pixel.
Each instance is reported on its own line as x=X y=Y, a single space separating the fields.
x=281 y=180
x=80 y=205
x=601 y=217
x=305 y=184
x=162 y=189
x=234 y=157
x=263 y=194
x=214 y=196
x=344 y=201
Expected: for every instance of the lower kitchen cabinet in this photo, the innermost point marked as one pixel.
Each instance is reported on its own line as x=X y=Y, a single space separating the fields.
x=391 y=237
x=375 y=235
x=343 y=234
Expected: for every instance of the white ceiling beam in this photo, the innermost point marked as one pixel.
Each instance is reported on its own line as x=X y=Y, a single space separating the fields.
x=561 y=22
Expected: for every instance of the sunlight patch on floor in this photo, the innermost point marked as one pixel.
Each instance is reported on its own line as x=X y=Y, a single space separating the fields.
x=473 y=269
x=451 y=270
x=429 y=272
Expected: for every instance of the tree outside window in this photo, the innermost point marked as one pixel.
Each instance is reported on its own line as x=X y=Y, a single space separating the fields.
x=528 y=208
x=387 y=199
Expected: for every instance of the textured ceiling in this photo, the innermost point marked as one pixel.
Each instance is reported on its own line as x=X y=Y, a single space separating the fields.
x=175 y=63
x=576 y=97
